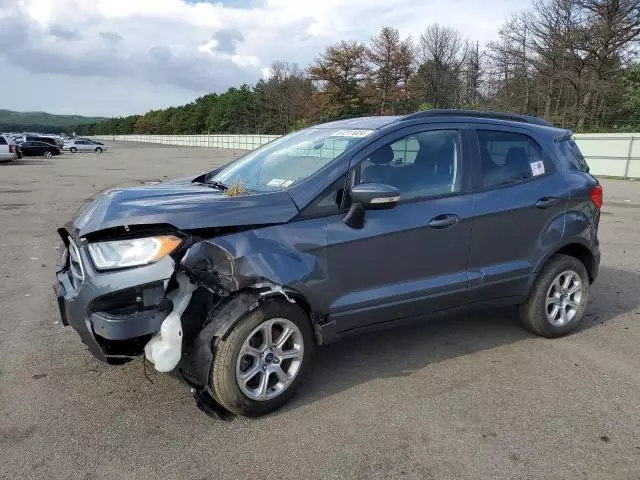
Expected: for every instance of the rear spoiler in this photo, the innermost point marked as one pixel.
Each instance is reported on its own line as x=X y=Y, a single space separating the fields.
x=563 y=137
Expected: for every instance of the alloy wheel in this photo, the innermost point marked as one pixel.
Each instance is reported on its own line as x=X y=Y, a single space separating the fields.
x=270 y=359
x=564 y=298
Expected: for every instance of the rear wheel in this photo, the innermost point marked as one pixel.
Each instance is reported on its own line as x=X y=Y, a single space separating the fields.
x=261 y=363
x=558 y=299
x=48 y=154
x=98 y=150
x=73 y=149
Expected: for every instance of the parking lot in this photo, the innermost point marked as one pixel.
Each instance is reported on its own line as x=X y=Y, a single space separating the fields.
x=468 y=397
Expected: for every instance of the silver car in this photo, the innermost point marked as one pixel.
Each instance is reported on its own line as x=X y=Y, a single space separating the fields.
x=84 y=146
x=8 y=150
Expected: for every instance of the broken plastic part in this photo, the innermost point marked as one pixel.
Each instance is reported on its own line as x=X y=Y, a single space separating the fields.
x=273 y=288
x=165 y=347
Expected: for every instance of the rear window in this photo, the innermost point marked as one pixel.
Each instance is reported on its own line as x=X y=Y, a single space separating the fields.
x=3 y=141
x=571 y=156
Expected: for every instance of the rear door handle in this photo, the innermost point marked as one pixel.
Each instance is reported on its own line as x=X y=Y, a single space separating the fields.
x=546 y=202
x=444 y=221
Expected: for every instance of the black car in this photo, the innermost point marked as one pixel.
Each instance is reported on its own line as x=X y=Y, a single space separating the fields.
x=232 y=278
x=38 y=149
x=49 y=140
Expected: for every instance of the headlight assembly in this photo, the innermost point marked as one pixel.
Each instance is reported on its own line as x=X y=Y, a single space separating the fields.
x=132 y=252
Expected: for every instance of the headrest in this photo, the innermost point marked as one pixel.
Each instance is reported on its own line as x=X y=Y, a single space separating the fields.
x=382 y=156
x=517 y=158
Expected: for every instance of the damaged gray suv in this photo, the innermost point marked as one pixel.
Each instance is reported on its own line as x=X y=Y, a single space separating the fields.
x=230 y=280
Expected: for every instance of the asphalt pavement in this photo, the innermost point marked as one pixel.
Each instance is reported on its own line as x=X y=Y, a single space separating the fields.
x=471 y=397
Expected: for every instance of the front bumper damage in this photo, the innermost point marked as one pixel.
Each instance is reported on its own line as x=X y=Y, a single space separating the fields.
x=175 y=310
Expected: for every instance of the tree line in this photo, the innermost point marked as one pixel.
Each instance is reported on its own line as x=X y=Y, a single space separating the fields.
x=573 y=62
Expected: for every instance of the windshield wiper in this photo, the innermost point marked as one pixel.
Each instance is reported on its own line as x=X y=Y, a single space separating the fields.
x=216 y=184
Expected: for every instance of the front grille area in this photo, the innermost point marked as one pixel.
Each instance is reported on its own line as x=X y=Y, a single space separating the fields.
x=75 y=266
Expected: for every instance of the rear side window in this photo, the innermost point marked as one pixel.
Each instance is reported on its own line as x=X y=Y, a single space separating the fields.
x=508 y=158
x=571 y=156
x=3 y=141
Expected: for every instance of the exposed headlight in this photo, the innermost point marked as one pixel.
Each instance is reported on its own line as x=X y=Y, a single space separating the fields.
x=133 y=252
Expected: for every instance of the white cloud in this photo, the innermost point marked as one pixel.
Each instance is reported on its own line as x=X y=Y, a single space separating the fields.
x=128 y=56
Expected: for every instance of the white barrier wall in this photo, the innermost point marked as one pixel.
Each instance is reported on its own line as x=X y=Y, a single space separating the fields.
x=608 y=154
x=612 y=154
x=240 y=142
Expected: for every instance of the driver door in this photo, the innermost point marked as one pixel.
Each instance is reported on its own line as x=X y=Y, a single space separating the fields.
x=411 y=259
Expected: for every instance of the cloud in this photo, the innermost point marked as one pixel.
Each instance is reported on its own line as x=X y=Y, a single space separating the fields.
x=111 y=37
x=62 y=33
x=194 y=47
x=226 y=40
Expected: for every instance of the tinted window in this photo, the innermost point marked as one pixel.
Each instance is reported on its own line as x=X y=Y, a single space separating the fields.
x=509 y=158
x=571 y=156
x=424 y=164
x=2 y=140
x=328 y=203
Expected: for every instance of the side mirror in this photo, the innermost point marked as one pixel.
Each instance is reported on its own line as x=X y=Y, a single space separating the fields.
x=369 y=196
x=375 y=196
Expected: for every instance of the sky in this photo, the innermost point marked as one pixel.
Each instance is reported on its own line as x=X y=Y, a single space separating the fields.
x=120 y=57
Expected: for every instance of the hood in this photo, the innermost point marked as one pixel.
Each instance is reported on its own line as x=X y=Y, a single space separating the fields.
x=183 y=204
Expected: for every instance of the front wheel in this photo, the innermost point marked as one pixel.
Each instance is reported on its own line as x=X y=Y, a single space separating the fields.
x=98 y=150
x=558 y=299
x=261 y=363
x=48 y=155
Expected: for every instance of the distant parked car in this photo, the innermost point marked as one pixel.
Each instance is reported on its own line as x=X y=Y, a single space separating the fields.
x=8 y=150
x=45 y=139
x=89 y=140
x=84 y=146
x=36 y=149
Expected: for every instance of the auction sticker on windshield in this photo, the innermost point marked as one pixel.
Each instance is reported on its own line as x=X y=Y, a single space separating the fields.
x=352 y=133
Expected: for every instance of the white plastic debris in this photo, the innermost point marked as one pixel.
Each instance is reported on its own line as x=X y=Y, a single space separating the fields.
x=273 y=288
x=165 y=347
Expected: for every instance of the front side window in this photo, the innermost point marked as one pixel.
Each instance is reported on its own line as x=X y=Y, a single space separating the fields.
x=508 y=158
x=424 y=164
x=290 y=159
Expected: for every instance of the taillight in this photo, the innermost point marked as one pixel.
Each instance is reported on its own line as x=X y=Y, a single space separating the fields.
x=10 y=148
x=596 y=196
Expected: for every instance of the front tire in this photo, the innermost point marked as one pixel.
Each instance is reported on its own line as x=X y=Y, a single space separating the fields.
x=258 y=367
x=48 y=155
x=98 y=150
x=558 y=299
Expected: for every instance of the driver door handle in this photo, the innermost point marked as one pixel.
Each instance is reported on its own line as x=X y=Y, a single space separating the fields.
x=546 y=202
x=444 y=221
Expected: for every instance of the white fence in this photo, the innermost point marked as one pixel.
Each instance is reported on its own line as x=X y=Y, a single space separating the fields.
x=608 y=154
x=611 y=154
x=239 y=142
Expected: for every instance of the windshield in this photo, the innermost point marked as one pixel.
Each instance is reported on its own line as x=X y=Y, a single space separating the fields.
x=288 y=160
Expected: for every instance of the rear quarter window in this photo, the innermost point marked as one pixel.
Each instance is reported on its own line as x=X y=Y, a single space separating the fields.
x=570 y=155
x=508 y=158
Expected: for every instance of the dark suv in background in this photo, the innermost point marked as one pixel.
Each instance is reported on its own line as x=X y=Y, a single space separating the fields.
x=230 y=279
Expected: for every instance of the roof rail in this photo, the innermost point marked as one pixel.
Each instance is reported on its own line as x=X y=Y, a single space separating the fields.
x=514 y=117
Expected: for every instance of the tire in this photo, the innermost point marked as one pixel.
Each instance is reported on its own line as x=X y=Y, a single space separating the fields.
x=98 y=150
x=48 y=154
x=536 y=314
x=228 y=363
x=73 y=149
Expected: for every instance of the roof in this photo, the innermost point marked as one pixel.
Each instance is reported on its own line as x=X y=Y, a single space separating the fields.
x=370 y=123
x=377 y=122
